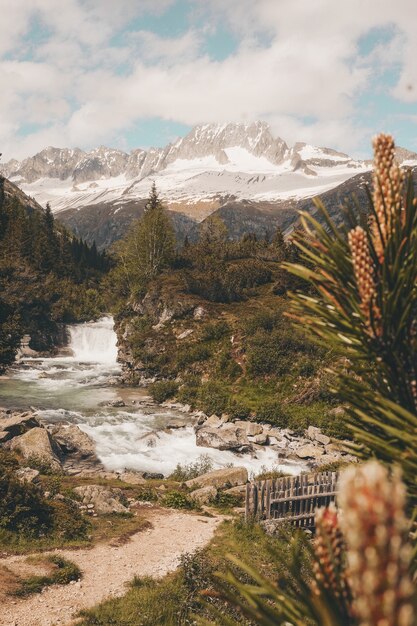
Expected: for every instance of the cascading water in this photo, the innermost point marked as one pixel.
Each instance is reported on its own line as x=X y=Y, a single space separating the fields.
x=94 y=342
x=83 y=388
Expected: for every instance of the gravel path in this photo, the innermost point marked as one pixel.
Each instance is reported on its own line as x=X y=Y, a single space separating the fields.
x=107 y=568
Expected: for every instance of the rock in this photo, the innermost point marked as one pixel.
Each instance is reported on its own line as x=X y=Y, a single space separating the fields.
x=226 y=437
x=311 y=432
x=72 y=439
x=117 y=403
x=37 y=444
x=222 y=478
x=150 y=439
x=152 y=476
x=252 y=429
x=178 y=423
x=132 y=478
x=261 y=439
x=199 y=313
x=204 y=495
x=324 y=439
x=337 y=411
x=238 y=491
x=185 y=334
x=309 y=451
x=214 y=421
x=328 y=458
x=101 y=499
x=333 y=448
x=17 y=424
x=27 y=475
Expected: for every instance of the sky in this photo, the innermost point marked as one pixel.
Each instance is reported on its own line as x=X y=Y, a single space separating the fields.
x=140 y=73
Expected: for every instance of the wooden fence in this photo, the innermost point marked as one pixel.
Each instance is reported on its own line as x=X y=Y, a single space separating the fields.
x=292 y=498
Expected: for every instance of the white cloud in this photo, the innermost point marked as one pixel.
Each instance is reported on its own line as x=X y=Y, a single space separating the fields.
x=297 y=66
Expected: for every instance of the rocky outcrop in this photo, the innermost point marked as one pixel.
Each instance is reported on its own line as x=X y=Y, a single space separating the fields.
x=101 y=500
x=37 y=445
x=221 y=479
x=204 y=495
x=63 y=447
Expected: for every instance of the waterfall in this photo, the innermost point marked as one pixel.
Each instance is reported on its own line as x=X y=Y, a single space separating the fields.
x=95 y=342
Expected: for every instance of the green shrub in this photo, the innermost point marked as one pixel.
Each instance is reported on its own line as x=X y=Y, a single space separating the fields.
x=178 y=500
x=227 y=500
x=163 y=390
x=238 y=410
x=213 y=398
x=193 y=353
x=227 y=366
x=147 y=494
x=215 y=330
x=67 y=521
x=188 y=471
x=272 y=412
x=188 y=394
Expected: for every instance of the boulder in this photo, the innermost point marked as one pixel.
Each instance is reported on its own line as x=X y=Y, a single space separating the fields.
x=102 y=499
x=311 y=432
x=227 y=437
x=323 y=439
x=204 y=495
x=199 y=313
x=222 y=478
x=27 y=475
x=72 y=439
x=309 y=451
x=132 y=478
x=37 y=444
x=17 y=424
x=252 y=429
x=239 y=491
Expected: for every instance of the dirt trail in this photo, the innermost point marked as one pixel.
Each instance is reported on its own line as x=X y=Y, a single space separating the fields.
x=107 y=568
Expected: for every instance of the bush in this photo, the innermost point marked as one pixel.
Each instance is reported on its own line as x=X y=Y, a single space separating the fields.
x=178 y=500
x=67 y=521
x=213 y=398
x=23 y=509
x=188 y=471
x=193 y=353
x=163 y=390
x=227 y=366
x=238 y=410
x=215 y=330
x=272 y=413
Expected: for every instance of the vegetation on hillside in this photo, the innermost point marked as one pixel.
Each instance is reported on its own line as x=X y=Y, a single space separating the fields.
x=47 y=276
x=240 y=354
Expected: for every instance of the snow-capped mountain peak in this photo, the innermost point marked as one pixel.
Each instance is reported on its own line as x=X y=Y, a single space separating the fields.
x=213 y=161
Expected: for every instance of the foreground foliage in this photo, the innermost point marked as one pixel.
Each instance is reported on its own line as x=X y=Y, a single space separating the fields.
x=366 y=277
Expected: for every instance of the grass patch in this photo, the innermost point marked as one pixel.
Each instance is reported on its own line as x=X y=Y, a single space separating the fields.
x=62 y=573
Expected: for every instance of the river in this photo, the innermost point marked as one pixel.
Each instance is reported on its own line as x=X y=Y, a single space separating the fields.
x=76 y=388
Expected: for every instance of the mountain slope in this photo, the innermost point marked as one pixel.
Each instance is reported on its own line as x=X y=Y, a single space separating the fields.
x=240 y=170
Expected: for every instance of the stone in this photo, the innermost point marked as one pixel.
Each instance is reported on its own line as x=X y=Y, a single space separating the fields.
x=228 y=437
x=132 y=478
x=252 y=429
x=309 y=451
x=238 y=491
x=37 y=444
x=150 y=439
x=185 y=334
x=153 y=475
x=17 y=424
x=72 y=439
x=27 y=475
x=324 y=439
x=204 y=495
x=178 y=423
x=222 y=478
x=261 y=439
x=311 y=432
x=199 y=313
x=102 y=499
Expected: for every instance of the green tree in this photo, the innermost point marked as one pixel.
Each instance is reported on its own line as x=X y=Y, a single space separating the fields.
x=148 y=248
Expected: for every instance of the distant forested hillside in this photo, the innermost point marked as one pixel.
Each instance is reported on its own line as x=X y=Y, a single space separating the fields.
x=47 y=275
